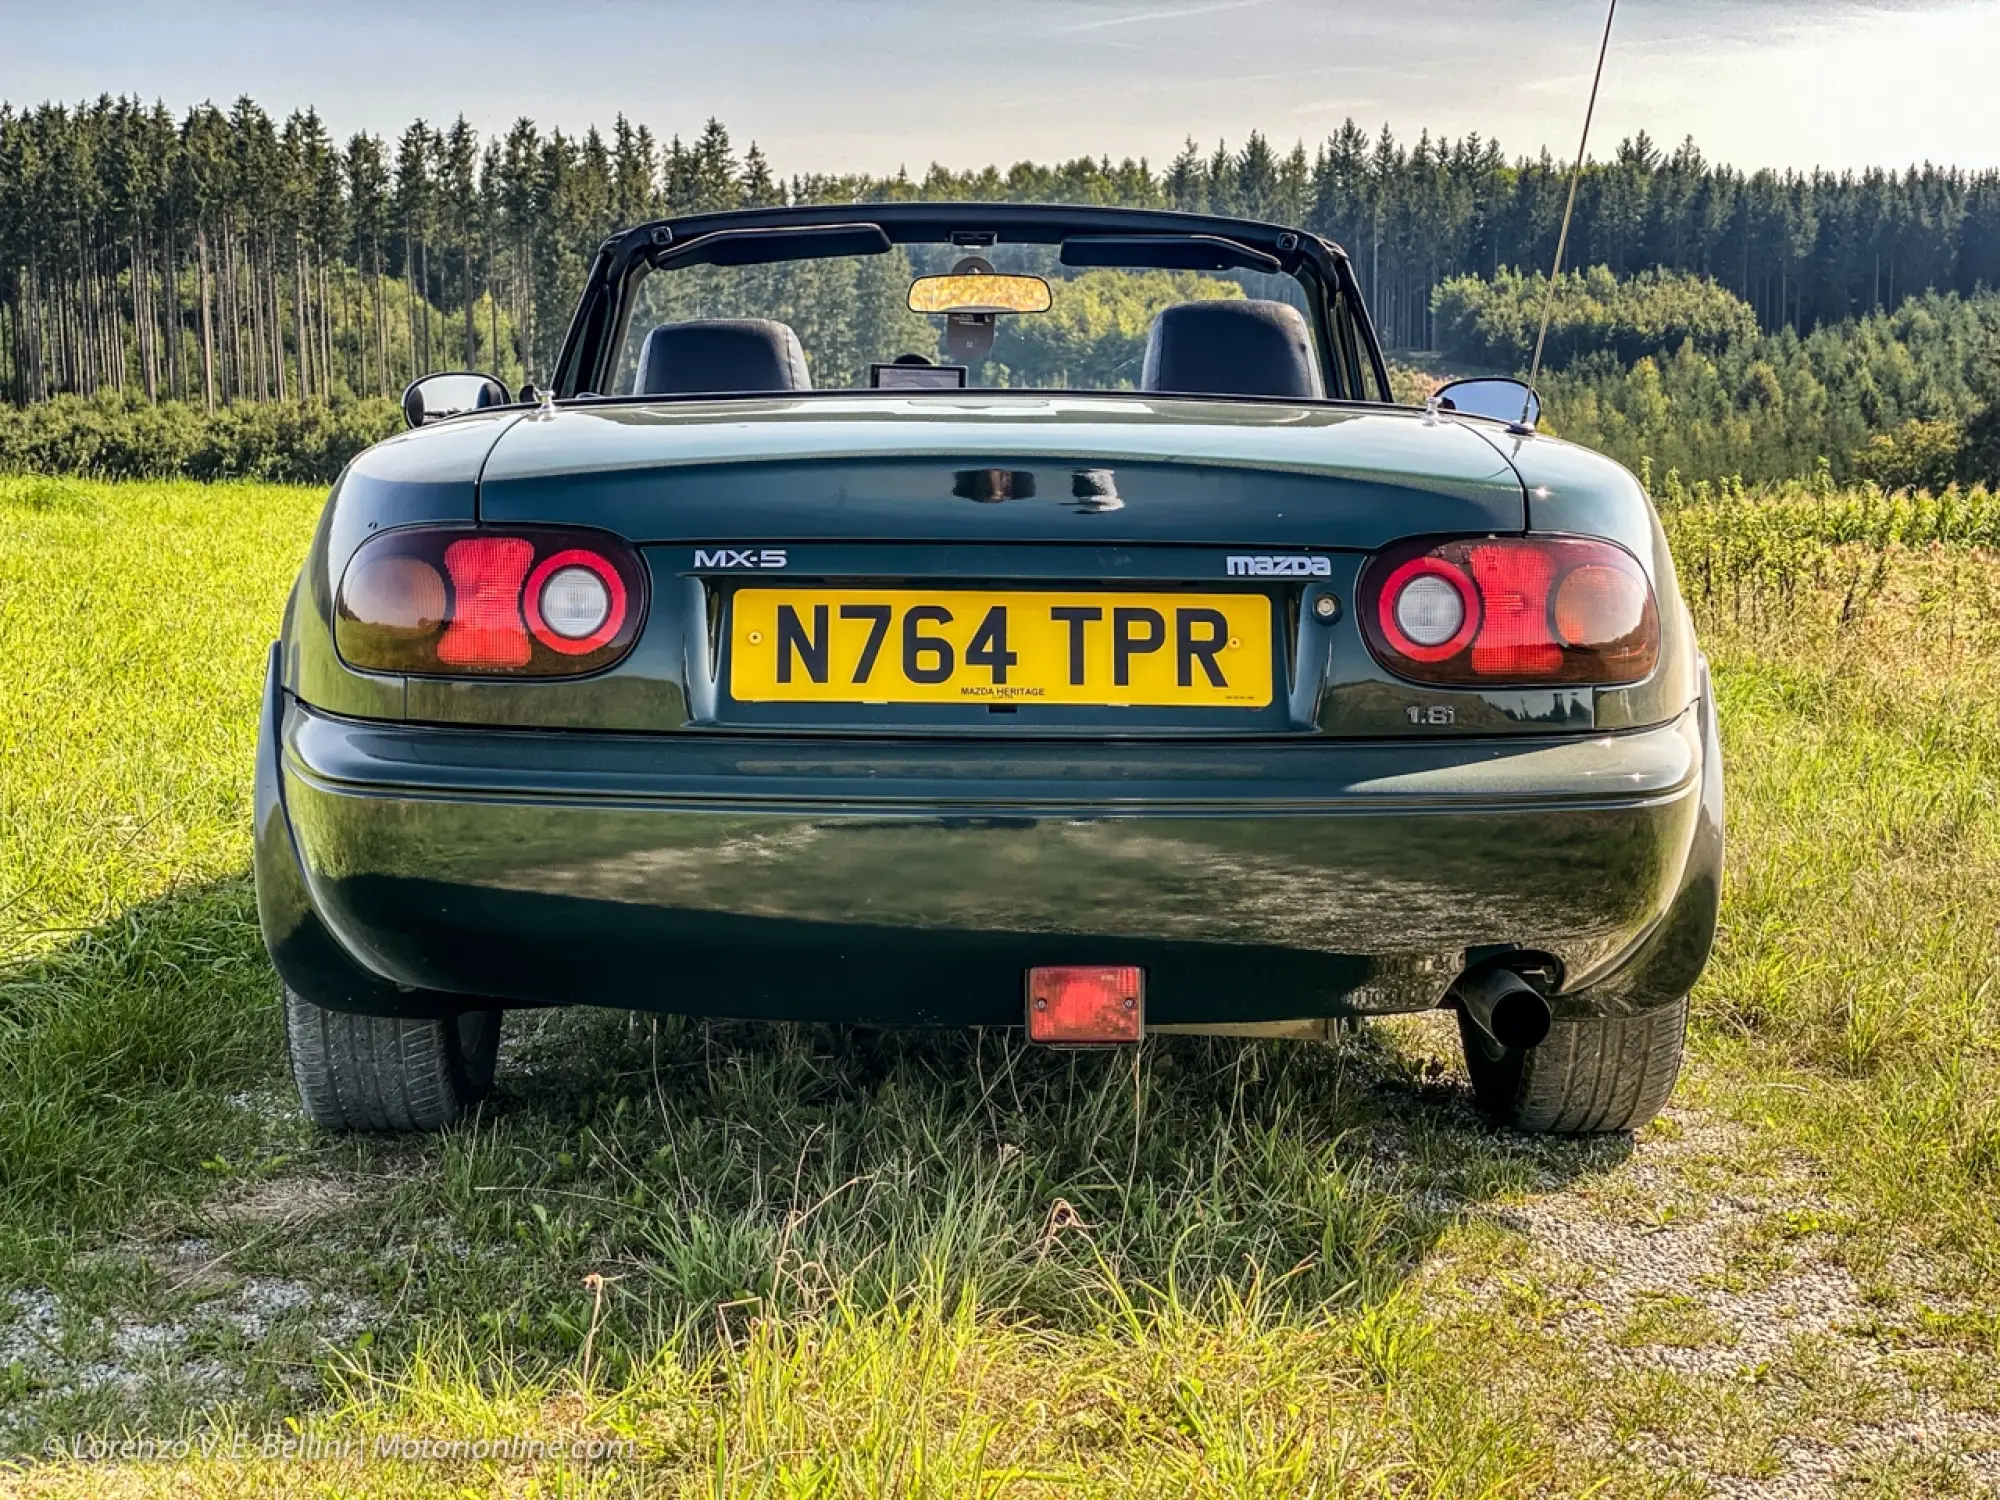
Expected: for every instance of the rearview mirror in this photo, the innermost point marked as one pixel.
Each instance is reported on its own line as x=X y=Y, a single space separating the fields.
x=450 y=393
x=1500 y=397
x=979 y=293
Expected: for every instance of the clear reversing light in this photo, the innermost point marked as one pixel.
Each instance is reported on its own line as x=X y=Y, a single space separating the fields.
x=576 y=603
x=1429 y=610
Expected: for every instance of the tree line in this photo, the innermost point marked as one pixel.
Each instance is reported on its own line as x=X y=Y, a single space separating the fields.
x=1496 y=321
x=222 y=255
x=1908 y=399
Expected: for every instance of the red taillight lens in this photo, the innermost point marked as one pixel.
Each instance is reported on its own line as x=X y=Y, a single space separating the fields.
x=486 y=628
x=1528 y=611
x=531 y=602
x=1084 y=1005
x=1513 y=583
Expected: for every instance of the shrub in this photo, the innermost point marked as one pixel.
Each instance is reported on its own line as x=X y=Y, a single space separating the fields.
x=1915 y=455
x=1495 y=322
x=1979 y=447
x=1771 y=407
x=110 y=437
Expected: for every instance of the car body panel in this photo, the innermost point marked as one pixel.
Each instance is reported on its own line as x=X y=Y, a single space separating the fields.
x=554 y=869
x=1574 y=491
x=637 y=837
x=429 y=475
x=1320 y=484
x=1399 y=450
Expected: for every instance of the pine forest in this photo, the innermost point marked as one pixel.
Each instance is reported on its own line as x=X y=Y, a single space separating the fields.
x=224 y=257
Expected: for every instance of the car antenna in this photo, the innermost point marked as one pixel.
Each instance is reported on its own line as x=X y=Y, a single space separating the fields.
x=1569 y=208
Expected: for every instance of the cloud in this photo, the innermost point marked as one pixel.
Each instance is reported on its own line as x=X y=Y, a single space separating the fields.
x=866 y=85
x=1148 y=17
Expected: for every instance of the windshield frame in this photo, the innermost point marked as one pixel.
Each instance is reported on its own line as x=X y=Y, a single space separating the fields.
x=1344 y=338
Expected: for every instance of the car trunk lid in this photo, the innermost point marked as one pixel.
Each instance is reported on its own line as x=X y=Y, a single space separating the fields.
x=1060 y=565
x=1002 y=468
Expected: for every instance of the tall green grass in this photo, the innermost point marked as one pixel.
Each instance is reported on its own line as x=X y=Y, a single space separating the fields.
x=837 y=1262
x=134 y=994
x=133 y=625
x=1740 y=549
x=1854 y=1001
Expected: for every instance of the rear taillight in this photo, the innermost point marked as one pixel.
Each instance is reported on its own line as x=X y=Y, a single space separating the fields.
x=1511 y=611
x=527 y=602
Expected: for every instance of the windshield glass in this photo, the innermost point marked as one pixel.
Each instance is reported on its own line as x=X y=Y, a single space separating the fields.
x=851 y=316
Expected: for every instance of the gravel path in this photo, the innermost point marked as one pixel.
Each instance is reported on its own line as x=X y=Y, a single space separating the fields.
x=1687 y=1259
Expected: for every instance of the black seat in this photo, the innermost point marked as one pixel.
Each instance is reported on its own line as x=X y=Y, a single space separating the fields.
x=1232 y=348
x=715 y=355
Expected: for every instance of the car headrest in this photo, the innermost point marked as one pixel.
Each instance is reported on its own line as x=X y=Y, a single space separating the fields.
x=714 y=355
x=1231 y=348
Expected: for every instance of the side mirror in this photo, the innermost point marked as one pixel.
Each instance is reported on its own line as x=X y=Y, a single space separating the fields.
x=450 y=393
x=1500 y=397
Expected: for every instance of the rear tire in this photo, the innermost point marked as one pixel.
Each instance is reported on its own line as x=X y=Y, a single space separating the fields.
x=385 y=1072
x=1603 y=1073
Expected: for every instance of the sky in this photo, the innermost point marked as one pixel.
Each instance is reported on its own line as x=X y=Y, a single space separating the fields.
x=874 y=85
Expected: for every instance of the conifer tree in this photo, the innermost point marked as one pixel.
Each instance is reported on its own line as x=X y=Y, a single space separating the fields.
x=218 y=256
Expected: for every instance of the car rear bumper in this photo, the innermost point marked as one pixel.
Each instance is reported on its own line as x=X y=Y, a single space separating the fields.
x=403 y=867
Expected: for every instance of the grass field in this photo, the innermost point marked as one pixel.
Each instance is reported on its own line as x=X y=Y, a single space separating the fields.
x=808 y=1262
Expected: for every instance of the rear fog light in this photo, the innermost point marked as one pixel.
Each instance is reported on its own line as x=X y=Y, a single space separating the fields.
x=1085 y=1005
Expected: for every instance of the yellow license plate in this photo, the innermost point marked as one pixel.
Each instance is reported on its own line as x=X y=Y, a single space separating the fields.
x=947 y=646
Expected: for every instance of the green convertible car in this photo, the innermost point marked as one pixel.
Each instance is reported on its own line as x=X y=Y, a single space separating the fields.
x=985 y=615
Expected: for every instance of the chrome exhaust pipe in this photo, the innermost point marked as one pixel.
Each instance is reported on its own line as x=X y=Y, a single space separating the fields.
x=1506 y=1007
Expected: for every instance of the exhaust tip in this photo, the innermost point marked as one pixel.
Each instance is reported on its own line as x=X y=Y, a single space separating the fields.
x=1507 y=1008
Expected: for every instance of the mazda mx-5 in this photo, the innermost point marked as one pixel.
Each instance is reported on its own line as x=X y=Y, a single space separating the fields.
x=985 y=616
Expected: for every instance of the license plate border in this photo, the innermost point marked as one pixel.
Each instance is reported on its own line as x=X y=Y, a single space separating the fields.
x=1276 y=656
